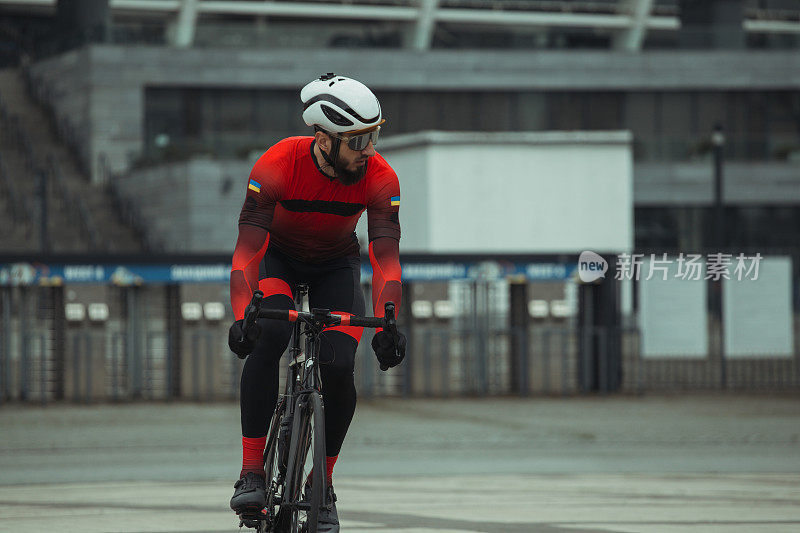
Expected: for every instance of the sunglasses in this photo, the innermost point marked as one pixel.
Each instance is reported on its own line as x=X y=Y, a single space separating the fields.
x=361 y=141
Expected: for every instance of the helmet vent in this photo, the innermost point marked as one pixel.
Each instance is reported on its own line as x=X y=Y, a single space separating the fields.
x=335 y=117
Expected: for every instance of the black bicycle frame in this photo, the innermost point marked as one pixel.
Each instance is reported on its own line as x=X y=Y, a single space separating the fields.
x=303 y=383
x=303 y=374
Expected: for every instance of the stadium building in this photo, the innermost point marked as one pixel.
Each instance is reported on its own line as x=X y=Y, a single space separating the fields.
x=129 y=127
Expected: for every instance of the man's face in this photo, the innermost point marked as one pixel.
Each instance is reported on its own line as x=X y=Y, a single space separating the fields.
x=351 y=164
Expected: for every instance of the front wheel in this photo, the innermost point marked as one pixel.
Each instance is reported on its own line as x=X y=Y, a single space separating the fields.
x=306 y=475
x=275 y=475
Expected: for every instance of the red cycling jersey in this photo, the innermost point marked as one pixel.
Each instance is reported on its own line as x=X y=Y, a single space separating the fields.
x=293 y=206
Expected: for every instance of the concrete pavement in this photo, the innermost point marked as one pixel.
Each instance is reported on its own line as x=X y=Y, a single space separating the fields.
x=621 y=464
x=526 y=503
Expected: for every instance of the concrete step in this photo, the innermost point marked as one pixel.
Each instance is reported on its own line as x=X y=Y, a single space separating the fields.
x=14 y=236
x=10 y=230
x=64 y=228
x=11 y=86
x=63 y=225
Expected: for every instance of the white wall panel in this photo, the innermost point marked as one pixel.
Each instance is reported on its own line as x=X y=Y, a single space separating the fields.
x=412 y=169
x=544 y=192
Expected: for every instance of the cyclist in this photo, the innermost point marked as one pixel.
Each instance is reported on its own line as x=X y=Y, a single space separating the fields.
x=304 y=197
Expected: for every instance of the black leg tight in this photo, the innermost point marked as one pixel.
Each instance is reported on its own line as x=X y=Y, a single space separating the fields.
x=337 y=353
x=259 y=385
x=335 y=286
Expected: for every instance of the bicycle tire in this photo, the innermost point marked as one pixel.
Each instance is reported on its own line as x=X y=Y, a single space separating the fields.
x=306 y=456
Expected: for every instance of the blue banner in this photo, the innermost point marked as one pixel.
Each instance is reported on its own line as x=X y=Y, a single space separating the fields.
x=137 y=274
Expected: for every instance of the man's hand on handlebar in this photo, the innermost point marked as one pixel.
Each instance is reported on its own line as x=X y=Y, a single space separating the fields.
x=389 y=344
x=389 y=351
x=240 y=344
x=243 y=334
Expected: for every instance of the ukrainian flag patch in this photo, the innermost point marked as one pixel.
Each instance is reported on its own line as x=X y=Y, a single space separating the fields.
x=256 y=186
x=395 y=200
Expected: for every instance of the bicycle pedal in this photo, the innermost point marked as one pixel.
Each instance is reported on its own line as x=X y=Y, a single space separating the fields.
x=251 y=517
x=254 y=524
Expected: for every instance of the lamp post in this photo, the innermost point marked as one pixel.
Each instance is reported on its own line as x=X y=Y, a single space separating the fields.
x=44 y=237
x=718 y=142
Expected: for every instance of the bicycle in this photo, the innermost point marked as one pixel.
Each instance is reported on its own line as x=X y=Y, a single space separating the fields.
x=298 y=423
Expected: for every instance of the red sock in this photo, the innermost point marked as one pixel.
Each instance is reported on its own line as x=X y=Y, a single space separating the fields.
x=329 y=462
x=253 y=455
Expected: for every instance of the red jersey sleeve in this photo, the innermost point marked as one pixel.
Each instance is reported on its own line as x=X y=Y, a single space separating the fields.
x=383 y=206
x=250 y=248
x=384 y=255
x=383 y=223
x=264 y=189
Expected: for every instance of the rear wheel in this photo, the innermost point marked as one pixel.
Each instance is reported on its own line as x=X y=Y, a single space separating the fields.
x=306 y=479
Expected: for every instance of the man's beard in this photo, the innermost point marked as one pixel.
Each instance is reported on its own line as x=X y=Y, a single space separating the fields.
x=349 y=177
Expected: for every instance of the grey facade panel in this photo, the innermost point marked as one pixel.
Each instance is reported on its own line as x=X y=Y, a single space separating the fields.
x=100 y=89
x=404 y=69
x=693 y=184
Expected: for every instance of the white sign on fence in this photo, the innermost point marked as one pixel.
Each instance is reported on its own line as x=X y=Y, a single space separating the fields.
x=758 y=313
x=673 y=314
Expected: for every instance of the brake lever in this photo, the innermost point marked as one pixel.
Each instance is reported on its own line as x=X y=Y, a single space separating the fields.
x=388 y=318
x=251 y=313
x=390 y=325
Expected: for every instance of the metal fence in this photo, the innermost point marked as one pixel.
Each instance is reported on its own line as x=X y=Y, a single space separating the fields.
x=137 y=346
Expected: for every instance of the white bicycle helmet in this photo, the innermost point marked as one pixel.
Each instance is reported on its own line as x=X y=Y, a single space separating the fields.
x=339 y=104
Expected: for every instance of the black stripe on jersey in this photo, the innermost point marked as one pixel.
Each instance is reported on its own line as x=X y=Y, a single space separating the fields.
x=345 y=209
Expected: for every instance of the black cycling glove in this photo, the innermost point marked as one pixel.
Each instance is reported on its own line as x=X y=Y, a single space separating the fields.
x=386 y=351
x=239 y=346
